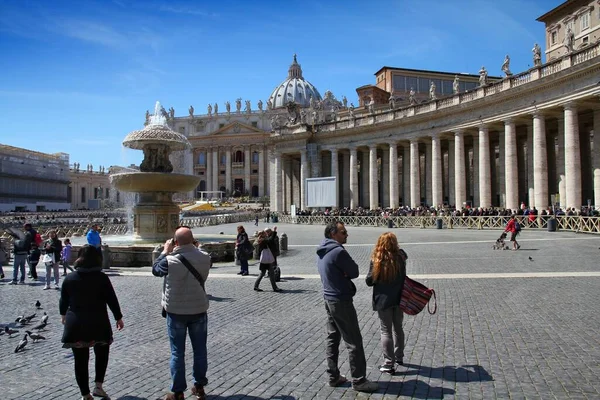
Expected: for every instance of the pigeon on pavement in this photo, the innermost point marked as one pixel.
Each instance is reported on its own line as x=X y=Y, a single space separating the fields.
x=40 y=326
x=530 y=259
x=38 y=305
x=21 y=344
x=29 y=317
x=35 y=336
x=45 y=318
x=9 y=331
x=19 y=318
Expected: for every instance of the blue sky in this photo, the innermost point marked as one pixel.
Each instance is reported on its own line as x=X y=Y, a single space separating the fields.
x=77 y=76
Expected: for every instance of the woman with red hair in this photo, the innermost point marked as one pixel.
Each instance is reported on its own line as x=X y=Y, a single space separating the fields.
x=386 y=275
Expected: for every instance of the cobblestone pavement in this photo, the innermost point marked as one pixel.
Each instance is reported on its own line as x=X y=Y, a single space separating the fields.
x=506 y=327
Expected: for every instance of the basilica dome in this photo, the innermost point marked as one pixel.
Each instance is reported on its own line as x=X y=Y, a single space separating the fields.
x=294 y=88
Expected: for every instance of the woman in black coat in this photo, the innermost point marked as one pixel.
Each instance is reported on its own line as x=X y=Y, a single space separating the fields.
x=386 y=275
x=265 y=242
x=83 y=300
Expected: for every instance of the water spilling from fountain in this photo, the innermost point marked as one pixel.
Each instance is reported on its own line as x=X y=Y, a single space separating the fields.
x=155 y=216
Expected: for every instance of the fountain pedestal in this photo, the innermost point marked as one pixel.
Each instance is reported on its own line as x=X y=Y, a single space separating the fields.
x=155 y=217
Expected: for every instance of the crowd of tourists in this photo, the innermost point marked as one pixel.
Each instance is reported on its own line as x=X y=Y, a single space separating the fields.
x=447 y=211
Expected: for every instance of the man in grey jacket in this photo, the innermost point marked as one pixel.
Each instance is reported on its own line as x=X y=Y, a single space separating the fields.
x=185 y=301
x=337 y=269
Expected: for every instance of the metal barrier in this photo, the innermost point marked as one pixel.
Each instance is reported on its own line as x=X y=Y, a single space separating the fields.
x=121 y=229
x=564 y=222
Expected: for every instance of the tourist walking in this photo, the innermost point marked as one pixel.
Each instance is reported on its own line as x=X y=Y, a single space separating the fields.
x=21 y=245
x=386 y=274
x=514 y=227
x=83 y=300
x=53 y=249
x=65 y=256
x=275 y=238
x=337 y=269
x=265 y=249
x=93 y=237
x=243 y=250
x=33 y=260
x=185 y=303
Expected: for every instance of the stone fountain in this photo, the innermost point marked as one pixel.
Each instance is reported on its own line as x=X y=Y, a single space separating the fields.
x=155 y=214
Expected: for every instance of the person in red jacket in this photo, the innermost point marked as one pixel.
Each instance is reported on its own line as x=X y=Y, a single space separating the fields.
x=513 y=227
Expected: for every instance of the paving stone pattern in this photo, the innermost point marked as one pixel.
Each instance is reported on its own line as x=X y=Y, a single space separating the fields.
x=518 y=338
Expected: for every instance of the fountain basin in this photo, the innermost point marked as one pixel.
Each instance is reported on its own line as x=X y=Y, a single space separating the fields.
x=154 y=182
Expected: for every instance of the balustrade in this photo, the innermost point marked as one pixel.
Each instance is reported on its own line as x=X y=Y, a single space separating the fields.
x=566 y=223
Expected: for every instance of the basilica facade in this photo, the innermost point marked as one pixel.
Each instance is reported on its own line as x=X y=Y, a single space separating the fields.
x=525 y=137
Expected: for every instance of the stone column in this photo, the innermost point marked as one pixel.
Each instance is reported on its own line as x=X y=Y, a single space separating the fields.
x=415 y=181
x=215 y=169
x=428 y=173
x=596 y=159
x=208 y=170
x=460 y=188
x=531 y=167
x=365 y=188
x=261 y=173
x=560 y=163
x=228 y=169
x=353 y=178
x=303 y=176
x=288 y=195
x=335 y=172
x=572 y=158
x=485 y=176
x=451 y=172
x=476 y=193
x=345 y=178
x=384 y=178
x=373 y=178
x=510 y=165
x=276 y=182
x=247 y=161
x=540 y=162
x=437 y=197
x=406 y=175
x=393 y=189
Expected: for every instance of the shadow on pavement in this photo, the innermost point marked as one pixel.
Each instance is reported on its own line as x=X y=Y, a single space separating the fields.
x=246 y=397
x=465 y=373
x=286 y=290
x=291 y=278
x=132 y=398
x=418 y=390
x=219 y=299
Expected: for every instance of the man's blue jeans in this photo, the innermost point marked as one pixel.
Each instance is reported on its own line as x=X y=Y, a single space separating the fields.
x=19 y=263
x=177 y=326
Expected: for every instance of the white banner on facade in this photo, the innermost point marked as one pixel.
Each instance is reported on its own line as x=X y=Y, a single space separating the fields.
x=320 y=192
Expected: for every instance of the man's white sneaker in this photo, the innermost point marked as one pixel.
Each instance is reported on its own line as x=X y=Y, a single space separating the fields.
x=46 y=287
x=56 y=286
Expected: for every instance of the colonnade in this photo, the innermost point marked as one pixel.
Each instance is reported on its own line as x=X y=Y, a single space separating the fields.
x=219 y=171
x=536 y=159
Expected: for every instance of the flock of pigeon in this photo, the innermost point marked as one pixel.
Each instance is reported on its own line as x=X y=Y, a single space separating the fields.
x=24 y=322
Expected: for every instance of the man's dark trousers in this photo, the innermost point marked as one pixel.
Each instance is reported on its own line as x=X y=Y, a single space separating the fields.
x=342 y=323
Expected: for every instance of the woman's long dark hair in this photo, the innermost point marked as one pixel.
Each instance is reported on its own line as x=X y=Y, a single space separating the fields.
x=88 y=257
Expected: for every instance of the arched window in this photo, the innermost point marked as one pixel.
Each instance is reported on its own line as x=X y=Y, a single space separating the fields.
x=202 y=158
x=255 y=157
x=238 y=156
